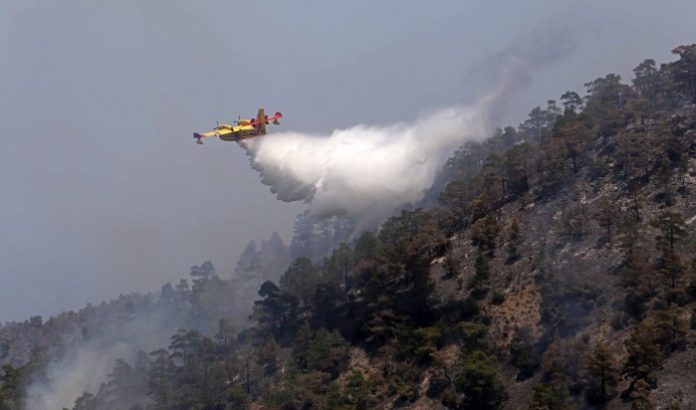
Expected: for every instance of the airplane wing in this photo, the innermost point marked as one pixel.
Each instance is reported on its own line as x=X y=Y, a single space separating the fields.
x=248 y=127
x=214 y=133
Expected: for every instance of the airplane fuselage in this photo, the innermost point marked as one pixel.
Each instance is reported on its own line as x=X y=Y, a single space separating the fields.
x=244 y=129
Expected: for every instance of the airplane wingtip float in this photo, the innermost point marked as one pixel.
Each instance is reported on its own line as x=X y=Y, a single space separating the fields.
x=243 y=128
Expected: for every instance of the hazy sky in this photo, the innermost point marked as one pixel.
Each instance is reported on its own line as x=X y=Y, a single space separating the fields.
x=102 y=188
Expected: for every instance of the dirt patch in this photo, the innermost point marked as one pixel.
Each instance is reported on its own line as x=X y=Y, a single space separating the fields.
x=676 y=382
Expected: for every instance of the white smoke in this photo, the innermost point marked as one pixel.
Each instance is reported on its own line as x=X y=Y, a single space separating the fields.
x=82 y=370
x=88 y=359
x=369 y=171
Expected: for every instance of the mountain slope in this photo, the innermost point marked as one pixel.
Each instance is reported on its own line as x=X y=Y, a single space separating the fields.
x=556 y=271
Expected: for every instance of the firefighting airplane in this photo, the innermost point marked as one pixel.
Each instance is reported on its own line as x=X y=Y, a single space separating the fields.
x=243 y=129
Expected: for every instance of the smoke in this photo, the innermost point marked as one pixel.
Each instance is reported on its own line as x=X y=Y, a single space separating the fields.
x=105 y=333
x=369 y=171
x=88 y=361
x=84 y=369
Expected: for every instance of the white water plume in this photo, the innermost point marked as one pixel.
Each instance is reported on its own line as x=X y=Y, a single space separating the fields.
x=368 y=171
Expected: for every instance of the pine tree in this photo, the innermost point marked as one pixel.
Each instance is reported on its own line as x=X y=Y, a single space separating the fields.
x=517 y=164
x=671 y=329
x=606 y=215
x=647 y=81
x=276 y=312
x=640 y=396
x=629 y=232
x=327 y=352
x=637 y=279
x=484 y=234
x=481 y=274
x=479 y=383
x=643 y=353
x=514 y=240
x=337 y=268
x=602 y=376
x=225 y=334
x=300 y=346
x=547 y=396
x=160 y=387
x=248 y=261
x=573 y=135
x=572 y=102
x=11 y=388
x=300 y=281
x=87 y=401
x=672 y=230
x=684 y=69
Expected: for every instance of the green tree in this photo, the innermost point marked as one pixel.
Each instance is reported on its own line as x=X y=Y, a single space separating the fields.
x=547 y=396
x=382 y=302
x=640 y=396
x=494 y=178
x=538 y=121
x=607 y=215
x=357 y=391
x=647 y=81
x=481 y=273
x=629 y=231
x=513 y=240
x=300 y=346
x=203 y=273
x=300 y=281
x=11 y=388
x=484 y=233
x=268 y=356
x=225 y=334
x=121 y=389
x=684 y=70
x=525 y=353
x=643 y=353
x=87 y=401
x=337 y=268
x=602 y=376
x=517 y=163
x=183 y=344
x=276 y=312
x=366 y=246
x=633 y=154
x=563 y=364
x=479 y=383
x=410 y=236
x=572 y=102
x=160 y=388
x=327 y=352
x=636 y=277
x=671 y=329
x=672 y=230
x=573 y=136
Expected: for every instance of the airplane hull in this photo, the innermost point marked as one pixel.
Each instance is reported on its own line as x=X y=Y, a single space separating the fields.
x=238 y=136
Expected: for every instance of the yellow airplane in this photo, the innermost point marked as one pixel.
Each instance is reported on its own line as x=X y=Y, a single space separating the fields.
x=243 y=129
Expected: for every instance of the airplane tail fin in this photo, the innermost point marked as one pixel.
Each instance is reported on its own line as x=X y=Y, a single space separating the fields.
x=261 y=122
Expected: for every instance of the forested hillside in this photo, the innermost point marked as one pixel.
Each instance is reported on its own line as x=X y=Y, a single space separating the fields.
x=555 y=270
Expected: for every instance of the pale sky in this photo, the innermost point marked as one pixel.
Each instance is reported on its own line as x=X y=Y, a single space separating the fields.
x=103 y=189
